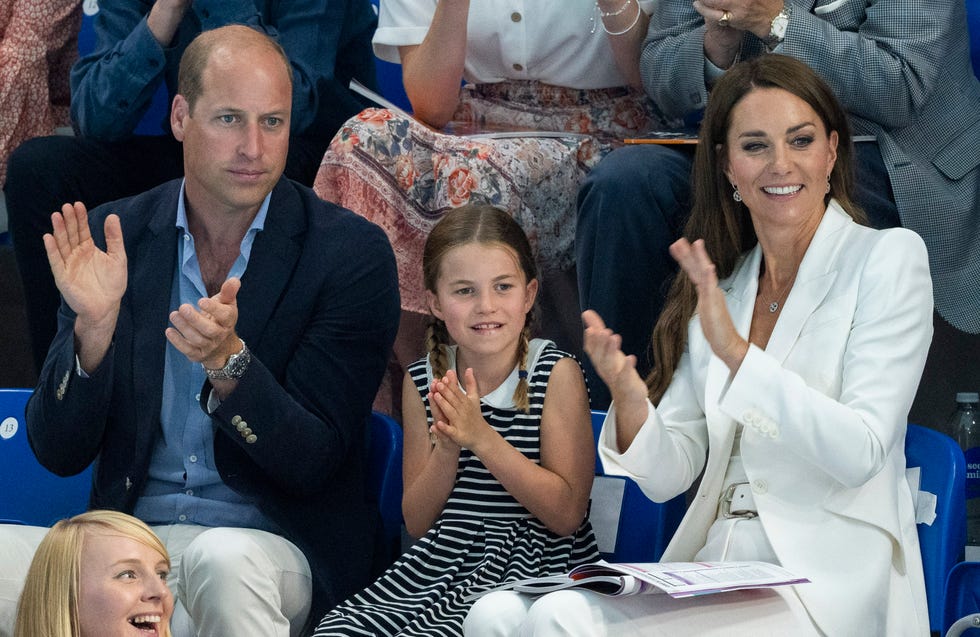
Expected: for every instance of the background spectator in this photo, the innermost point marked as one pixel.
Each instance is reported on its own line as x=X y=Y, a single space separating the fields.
x=38 y=44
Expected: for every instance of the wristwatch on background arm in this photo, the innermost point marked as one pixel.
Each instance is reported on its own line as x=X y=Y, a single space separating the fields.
x=777 y=28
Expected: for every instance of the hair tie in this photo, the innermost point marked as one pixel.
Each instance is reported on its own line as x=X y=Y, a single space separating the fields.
x=522 y=373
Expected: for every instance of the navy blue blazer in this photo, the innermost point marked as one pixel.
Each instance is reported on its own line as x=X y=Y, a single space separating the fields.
x=319 y=309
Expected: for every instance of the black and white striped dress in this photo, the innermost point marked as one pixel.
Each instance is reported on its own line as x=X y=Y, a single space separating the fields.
x=483 y=538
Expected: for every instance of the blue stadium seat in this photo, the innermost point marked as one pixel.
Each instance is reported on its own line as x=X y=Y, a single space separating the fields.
x=962 y=604
x=385 y=475
x=628 y=525
x=29 y=493
x=943 y=471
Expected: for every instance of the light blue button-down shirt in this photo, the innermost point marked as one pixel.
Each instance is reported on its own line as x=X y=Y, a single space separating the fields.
x=183 y=485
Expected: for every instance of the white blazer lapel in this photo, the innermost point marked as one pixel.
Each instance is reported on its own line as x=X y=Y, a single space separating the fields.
x=813 y=281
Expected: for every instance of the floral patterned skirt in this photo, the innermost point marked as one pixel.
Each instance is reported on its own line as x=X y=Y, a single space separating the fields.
x=405 y=176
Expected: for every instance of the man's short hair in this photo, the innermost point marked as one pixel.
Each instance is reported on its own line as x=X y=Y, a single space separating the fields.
x=190 y=77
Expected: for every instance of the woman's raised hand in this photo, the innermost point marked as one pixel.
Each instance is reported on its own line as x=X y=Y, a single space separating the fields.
x=614 y=367
x=716 y=322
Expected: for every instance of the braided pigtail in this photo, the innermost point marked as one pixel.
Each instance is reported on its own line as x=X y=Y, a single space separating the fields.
x=521 y=399
x=436 y=339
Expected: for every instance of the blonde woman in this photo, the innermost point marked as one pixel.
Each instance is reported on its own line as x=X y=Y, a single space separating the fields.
x=98 y=574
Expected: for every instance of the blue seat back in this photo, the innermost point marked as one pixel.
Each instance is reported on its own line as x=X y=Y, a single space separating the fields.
x=29 y=493
x=644 y=527
x=943 y=471
x=973 y=25
x=962 y=595
x=385 y=475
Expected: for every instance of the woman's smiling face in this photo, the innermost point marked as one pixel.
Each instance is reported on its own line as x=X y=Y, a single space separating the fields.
x=122 y=587
x=780 y=156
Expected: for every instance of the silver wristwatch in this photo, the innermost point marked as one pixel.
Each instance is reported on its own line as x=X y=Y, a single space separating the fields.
x=777 y=28
x=234 y=368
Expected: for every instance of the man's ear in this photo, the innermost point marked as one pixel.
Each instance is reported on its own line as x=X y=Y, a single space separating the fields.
x=433 y=302
x=179 y=110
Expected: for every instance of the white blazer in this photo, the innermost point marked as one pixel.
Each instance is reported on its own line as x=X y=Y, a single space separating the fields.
x=824 y=410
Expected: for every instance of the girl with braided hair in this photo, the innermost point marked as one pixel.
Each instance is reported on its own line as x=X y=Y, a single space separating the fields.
x=499 y=452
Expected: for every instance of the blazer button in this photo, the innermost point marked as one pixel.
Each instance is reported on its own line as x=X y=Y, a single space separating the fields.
x=241 y=426
x=236 y=419
x=760 y=486
x=251 y=438
x=246 y=432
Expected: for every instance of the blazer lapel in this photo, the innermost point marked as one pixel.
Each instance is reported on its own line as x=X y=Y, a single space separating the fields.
x=271 y=263
x=151 y=280
x=813 y=281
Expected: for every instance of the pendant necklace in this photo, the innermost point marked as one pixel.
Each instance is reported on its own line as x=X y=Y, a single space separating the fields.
x=774 y=305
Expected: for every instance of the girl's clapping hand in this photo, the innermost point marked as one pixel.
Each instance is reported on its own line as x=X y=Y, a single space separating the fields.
x=462 y=421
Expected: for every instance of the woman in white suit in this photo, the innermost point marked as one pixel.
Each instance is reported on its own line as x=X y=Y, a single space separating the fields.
x=787 y=384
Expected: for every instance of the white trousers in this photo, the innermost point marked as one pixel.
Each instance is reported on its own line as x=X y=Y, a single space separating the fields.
x=226 y=581
x=576 y=613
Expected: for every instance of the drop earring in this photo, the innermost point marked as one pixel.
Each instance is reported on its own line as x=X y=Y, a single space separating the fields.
x=736 y=195
x=828 y=185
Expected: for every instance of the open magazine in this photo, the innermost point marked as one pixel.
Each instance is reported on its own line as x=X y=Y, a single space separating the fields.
x=465 y=129
x=677 y=579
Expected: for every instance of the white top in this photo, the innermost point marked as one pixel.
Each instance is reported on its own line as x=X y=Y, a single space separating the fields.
x=548 y=41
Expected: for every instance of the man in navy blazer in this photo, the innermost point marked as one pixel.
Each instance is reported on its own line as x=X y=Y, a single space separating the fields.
x=118 y=149
x=902 y=70
x=220 y=343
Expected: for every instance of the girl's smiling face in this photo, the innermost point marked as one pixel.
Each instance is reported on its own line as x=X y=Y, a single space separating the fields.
x=483 y=297
x=122 y=587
